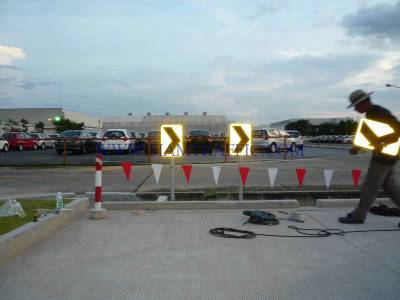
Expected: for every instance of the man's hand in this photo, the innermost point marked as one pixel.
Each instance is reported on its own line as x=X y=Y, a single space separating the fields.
x=354 y=151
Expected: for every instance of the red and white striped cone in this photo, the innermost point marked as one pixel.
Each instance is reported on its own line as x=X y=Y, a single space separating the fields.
x=98 y=212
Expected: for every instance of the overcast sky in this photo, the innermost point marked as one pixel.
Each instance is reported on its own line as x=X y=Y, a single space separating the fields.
x=255 y=60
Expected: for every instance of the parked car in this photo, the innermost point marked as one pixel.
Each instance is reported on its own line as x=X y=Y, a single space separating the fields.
x=296 y=137
x=75 y=141
x=42 y=140
x=20 y=141
x=199 y=141
x=272 y=140
x=117 y=140
x=4 y=145
x=153 y=141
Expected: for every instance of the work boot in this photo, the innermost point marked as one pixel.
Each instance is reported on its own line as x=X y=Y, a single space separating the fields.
x=350 y=219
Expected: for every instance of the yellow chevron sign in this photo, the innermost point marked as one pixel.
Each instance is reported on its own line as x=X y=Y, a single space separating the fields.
x=240 y=139
x=377 y=136
x=171 y=140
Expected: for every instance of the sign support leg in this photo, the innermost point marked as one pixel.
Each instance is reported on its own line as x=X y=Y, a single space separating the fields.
x=172 y=178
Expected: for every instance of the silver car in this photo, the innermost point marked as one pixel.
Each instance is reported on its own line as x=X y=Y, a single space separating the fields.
x=272 y=140
x=43 y=141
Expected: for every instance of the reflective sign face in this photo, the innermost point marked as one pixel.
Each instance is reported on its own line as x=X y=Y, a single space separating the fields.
x=373 y=135
x=171 y=140
x=240 y=139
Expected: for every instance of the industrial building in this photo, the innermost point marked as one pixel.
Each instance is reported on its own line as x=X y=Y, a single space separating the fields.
x=46 y=115
x=313 y=121
x=140 y=123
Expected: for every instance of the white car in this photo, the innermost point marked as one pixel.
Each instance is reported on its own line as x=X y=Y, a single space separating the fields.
x=296 y=136
x=43 y=141
x=4 y=145
x=117 y=140
x=272 y=140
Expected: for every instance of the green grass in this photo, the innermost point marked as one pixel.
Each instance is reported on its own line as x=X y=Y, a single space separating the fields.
x=8 y=224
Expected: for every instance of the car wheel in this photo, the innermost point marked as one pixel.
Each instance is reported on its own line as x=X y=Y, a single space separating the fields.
x=272 y=148
x=21 y=147
x=293 y=147
x=5 y=148
x=35 y=147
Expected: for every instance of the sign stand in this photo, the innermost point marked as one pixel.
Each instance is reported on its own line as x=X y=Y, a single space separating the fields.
x=240 y=180
x=172 y=165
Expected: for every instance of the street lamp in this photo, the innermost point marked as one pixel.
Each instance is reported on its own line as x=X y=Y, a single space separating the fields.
x=392 y=85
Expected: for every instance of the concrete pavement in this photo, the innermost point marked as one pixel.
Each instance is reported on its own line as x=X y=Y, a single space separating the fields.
x=170 y=255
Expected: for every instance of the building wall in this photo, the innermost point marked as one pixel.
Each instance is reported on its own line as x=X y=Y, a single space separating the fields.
x=32 y=115
x=35 y=115
x=313 y=121
x=214 y=124
x=91 y=122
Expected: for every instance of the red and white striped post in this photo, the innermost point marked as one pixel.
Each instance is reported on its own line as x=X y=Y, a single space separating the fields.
x=97 y=212
x=98 y=181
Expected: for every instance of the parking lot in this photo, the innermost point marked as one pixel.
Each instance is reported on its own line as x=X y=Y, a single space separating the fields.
x=49 y=157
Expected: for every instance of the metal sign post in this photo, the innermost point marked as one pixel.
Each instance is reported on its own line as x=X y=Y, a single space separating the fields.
x=240 y=180
x=172 y=178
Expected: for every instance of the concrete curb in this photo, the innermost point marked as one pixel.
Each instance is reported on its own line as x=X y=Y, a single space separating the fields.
x=187 y=205
x=113 y=197
x=18 y=241
x=37 y=196
x=349 y=202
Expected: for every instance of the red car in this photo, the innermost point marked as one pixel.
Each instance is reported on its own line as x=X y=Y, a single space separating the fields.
x=20 y=141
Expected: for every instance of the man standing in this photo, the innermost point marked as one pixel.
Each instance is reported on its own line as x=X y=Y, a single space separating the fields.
x=381 y=168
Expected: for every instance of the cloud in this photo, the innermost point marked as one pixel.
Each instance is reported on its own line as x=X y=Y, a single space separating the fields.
x=30 y=85
x=376 y=74
x=379 y=23
x=266 y=9
x=9 y=54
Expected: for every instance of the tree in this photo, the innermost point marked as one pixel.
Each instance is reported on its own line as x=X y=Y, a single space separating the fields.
x=39 y=126
x=67 y=124
x=348 y=127
x=304 y=126
x=24 y=123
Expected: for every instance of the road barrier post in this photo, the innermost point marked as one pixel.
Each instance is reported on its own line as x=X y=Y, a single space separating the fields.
x=284 y=147
x=65 y=152
x=98 y=212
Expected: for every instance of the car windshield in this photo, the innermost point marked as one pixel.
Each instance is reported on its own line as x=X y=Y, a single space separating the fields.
x=198 y=133
x=72 y=133
x=9 y=136
x=114 y=134
x=259 y=133
x=154 y=133
x=294 y=134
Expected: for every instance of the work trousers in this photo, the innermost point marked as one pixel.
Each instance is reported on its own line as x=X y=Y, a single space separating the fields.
x=378 y=176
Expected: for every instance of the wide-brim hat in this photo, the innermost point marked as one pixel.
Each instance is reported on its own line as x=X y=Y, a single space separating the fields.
x=357 y=96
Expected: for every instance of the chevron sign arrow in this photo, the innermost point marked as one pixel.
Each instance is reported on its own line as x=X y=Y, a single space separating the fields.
x=171 y=140
x=240 y=139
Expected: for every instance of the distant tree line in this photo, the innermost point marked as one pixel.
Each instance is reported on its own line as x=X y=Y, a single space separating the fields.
x=60 y=126
x=347 y=127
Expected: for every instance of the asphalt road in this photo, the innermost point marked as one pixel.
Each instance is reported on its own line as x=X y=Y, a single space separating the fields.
x=80 y=179
x=49 y=157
